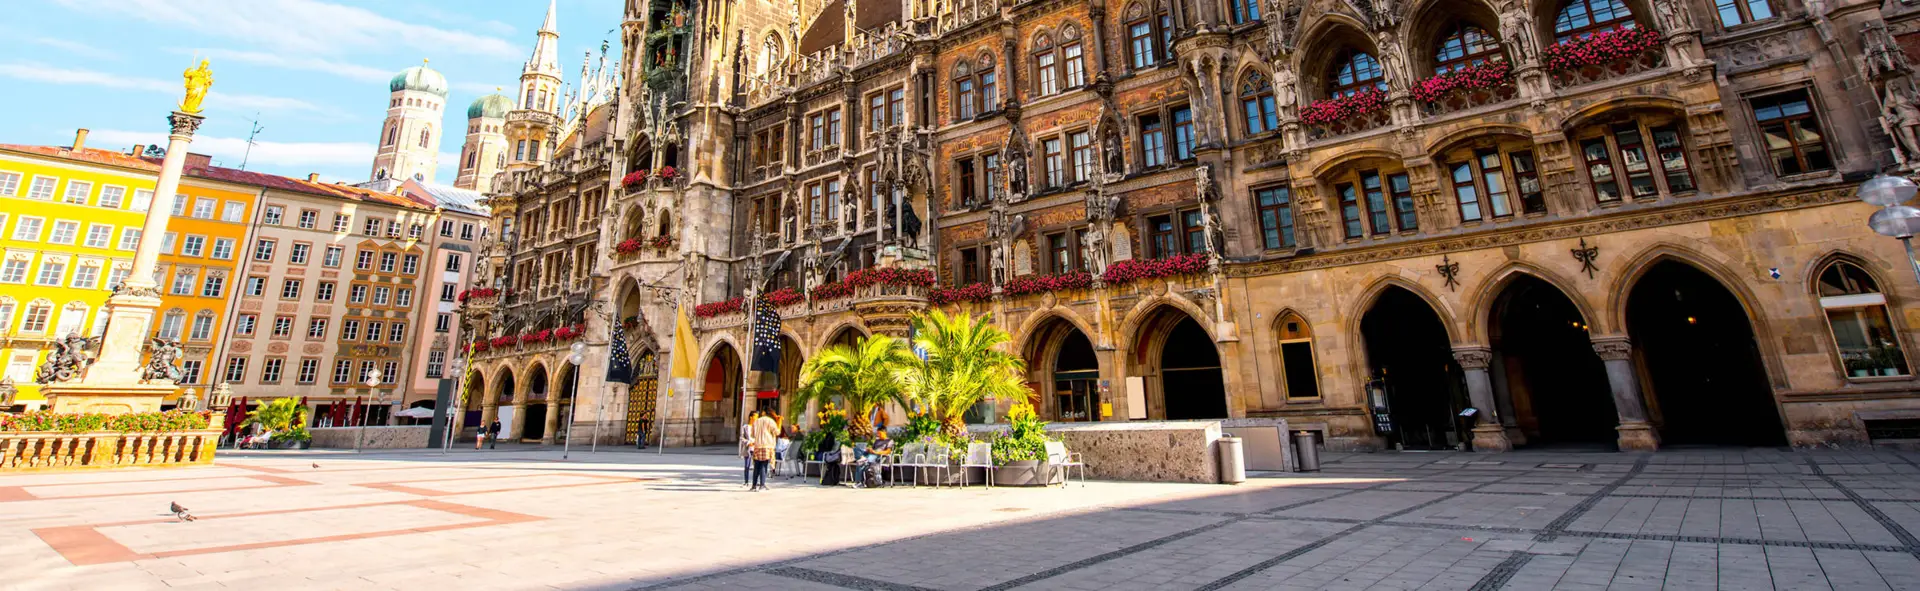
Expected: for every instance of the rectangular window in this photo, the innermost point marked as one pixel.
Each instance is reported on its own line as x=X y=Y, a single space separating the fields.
x=1076 y=67
x=969 y=267
x=117 y=276
x=1377 y=215
x=202 y=327
x=876 y=112
x=290 y=289
x=193 y=246
x=234 y=211
x=129 y=238
x=435 y=361
x=1059 y=254
x=203 y=209
x=270 y=371
x=1673 y=159
x=357 y=294
x=323 y=292
x=1276 y=216
x=1140 y=44
x=1194 y=230
x=42 y=188
x=86 y=276
x=1160 y=237
x=111 y=197
x=236 y=370
x=1494 y=177
x=380 y=295
x=28 y=229
x=341 y=222
x=1182 y=133
x=167 y=242
x=309 y=219
x=1350 y=211
x=342 y=371
x=1633 y=160
x=990 y=177
x=446 y=292
x=443 y=322
x=1402 y=191
x=282 y=326
x=397 y=333
x=309 y=370
x=78 y=192
x=393 y=229
x=1054 y=163
x=364 y=260
x=410 y=264
x=223 y=249
x=1082 y=145
x=1153 y=141
x=373 y=330
x=386 y=262
x=466 y=231
x=817 y=125
x=331 y=258
x=183 y=282
x=964 y=185
x=1049 y=76
x=13 y=271
x=10 y=184
x=298 y=254
x=372 y=227
x=52 y=272
x=1606 y=188
x=453 y=262
x=350 y=330
x=98 y=235
x=256 y=286
x=317 y=328
x=446 y=228
x=989 y=91
x=1735 y=12
x=244 y=325
x=263 y=250
x=1526 y=180
x=389 y=372
x=214 y=286
x=191 y=369
x=142 y=200
x=1465 y=193
x=64 y=232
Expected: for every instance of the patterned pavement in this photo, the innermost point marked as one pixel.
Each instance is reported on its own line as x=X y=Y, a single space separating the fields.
x=525 y=519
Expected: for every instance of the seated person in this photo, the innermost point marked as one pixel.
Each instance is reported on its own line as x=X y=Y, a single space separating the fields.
x=871 y=456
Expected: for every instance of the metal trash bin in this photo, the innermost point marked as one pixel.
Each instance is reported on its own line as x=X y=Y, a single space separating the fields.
x=1233 y=464
x=1306 y=451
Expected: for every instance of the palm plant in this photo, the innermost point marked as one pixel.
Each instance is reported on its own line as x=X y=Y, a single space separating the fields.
x=861 y=376
x=283 y=416
x=962 y=367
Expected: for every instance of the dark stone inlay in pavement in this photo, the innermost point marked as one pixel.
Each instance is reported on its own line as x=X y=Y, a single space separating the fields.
x=1739 y=541
x=840 y=580
x=1502 y=572
x=1077 y=565
x=1560 y=523
x=1893 y=527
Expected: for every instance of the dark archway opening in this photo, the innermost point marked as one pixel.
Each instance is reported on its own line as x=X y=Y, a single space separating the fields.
x=534 y=425
x=1409 y=351
x=1557 y=384
x=1700 y=361
x=720 y=398
x=1190 y=378
x=1076 y=379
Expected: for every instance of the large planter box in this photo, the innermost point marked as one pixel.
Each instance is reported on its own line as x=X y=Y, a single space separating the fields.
x=1025 y=473
x=292 y=444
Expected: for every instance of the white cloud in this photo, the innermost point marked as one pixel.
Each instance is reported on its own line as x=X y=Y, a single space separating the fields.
x=215 y=100
x=75 y=48
x=229 y=150
x=480 y=88
x=311 y=64
x=298 y=26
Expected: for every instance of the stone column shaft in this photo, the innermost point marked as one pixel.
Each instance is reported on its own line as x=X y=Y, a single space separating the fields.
x=1616 y=353
x=553 y=422
x=1488 y=435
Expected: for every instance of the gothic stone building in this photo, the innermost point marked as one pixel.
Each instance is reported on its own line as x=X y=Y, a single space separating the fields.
x=1608 y=222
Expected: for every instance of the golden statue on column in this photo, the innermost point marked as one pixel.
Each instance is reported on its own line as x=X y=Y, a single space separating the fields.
x=198 y=80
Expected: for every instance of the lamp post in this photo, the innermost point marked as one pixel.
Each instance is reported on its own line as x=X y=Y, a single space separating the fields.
x=1894 y=219
x=459 y=368
x=578 y=357
x=373 y=379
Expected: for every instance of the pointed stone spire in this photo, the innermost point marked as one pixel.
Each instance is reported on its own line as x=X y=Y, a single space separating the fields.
x=546 y=49
x=549 y=26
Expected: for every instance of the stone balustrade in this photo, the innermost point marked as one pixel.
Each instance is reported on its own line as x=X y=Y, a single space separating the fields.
x=37 y=450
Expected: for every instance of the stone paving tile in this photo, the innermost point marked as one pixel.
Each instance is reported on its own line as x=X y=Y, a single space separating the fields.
x=1197 y=560
x=1362 y=505
x=1387 y=557
x=1493 y=510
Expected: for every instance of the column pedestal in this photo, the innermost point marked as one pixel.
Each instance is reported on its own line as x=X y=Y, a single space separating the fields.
x=1638 y=436
x=1488 y=435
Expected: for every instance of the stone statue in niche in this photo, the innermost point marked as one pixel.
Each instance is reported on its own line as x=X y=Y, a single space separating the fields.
x=1115 y=157
x=999 y=262
x=1095 y=247
x=850 y=203
x=1900 y=118
x=909 y=225
x=1516 y=30
x=1392 y=61
x=1016 y=158
x=1284 y=84
x=1673 y=16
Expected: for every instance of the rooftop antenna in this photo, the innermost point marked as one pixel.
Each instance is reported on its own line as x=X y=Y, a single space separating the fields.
x=250 y=135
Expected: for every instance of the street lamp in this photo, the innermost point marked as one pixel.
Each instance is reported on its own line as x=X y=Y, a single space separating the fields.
x=458 y=367
x=373 y=379
x=1894 y=219
x=578 y=357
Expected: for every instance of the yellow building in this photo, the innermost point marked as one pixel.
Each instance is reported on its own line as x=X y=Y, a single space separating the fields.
x=207 y=237
x=69 y=223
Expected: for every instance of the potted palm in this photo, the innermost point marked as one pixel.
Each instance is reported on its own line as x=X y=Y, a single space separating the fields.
x=286 y=419
x=861 y=377
x=963 y=366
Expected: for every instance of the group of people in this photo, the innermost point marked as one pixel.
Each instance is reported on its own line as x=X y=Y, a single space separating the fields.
x=760 y=441
x=487 y=433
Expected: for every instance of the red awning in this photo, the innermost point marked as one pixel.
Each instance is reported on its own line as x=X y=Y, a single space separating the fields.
x=767 y=394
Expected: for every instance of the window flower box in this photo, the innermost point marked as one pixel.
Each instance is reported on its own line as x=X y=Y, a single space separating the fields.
x=542 y=336
x=668 y=172
x=712 y=309
x=1602 y=55
x=1466 y=88
x=568 y=333
x=478 y=293
x=891 y=276
x=831 y=291
x=634 y=180
x=662 y=242
x=785 y=296
x=1128 y=271
x=1048 y=283
x=479 y=346
x=1353 y=113
x=978 y=292
x=628 y=246
x=504 y=342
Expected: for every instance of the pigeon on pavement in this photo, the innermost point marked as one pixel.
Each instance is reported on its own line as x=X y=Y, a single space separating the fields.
x=180 y=512
x=316 y=466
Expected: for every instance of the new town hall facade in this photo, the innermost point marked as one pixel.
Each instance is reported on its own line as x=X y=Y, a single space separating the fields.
x=1416 y=224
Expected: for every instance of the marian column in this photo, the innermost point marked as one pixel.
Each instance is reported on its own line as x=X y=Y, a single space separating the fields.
x=116 y=380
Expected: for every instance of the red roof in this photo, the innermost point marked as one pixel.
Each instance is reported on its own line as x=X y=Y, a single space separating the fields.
x=93 y=155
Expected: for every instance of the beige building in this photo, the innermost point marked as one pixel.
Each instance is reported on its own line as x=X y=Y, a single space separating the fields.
x=453 y=245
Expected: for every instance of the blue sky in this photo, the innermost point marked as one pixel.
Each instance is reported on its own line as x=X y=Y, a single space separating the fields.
x=313 y=72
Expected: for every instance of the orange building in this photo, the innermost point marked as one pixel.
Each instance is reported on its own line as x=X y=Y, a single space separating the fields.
x=205 y=240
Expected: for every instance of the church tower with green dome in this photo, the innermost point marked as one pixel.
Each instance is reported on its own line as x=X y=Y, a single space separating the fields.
x=485 y=151
x=410 y=139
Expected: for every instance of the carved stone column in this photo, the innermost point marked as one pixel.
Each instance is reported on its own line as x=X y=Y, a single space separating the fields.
x=1488 y=436
x=553 y=422
x=1616 y=352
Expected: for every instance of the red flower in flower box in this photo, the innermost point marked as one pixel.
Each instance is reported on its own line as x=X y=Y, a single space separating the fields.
x=831 y=291
x=1049 y=283
x=633 y=179
x=711 y=309
x=1487 y=75
x=506 y=341
x=628 y=246
x=785 y=296
x=1332 y=110
x=978 y=292
x=1128 y=271
x=891 y=276
x=667 y=172
x=1599 y=49
x=661 y=241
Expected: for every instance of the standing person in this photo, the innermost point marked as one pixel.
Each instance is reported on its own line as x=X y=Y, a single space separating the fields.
x=765 y=439
x=746 y=449
x=493 y=435
x=479 y=437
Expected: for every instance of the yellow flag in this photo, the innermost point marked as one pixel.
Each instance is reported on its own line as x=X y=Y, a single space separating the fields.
x=684 y=355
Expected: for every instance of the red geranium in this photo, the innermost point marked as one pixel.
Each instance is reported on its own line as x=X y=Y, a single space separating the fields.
x=785 y=296
x=1046 y=283
x=662 y=241
x=830 y=291
x=1487 y=75
x=541 y=336
x=628 y=246
x=478 y=346
x=978 y=292
x=568 y=333
x=1600 y=48
x=667 y=172
x=891 y=276
x=503 y=342
x=479 y=292
x=1128 y=271
x=1325 y=111
x=711 y=309
x=633 y=178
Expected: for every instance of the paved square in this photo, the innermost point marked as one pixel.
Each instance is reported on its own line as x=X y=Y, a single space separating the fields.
x=520 y=519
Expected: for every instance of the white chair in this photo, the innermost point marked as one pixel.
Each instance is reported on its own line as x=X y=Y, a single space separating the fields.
x=904 y=457
x=1062 y=460
x=980 y=455
x=846 y=464
x=807 y=460
x=934 y=459
x=791 y=463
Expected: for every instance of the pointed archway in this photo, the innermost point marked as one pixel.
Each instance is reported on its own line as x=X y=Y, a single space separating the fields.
x=1696 y=352
x=1062 y=367
x=1181 y=365
x=1544 y=366
x=1410 y=357
x=721 y=384
x=533 y=419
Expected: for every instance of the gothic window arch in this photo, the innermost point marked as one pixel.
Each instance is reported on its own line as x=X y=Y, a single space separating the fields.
x=772 y=54
x=1863 y=334
x=964 y=99
x=393 y=135
x=1354 y=71
x=1465 y=44
x=1046 y=65
x=1245 y=11
x=987 y=81
x=1580 y=18
x=425 y=134
x=1299 y=373
x=1257 y=104
x=1149 y=36
x=528 y=103
x=473 y=156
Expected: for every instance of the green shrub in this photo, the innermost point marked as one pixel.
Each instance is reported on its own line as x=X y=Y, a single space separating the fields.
x=139 y=422
x=1025 y=438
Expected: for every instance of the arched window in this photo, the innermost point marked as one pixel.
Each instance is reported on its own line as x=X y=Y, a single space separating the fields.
x=1256 y=102
x=528 y=103
x=1299 y=375
x=988 y=84
x=666 y=223
x=73 y=320
x=1863 y=335
x=1149 y=37
x=500 y=160
x=39 y=313
x=543 y=100
x=393 y=135
x=1353 y=72
x=472 y=157
x=1246 y=11
x=963 y=92
x=425 y=134
x=1465 y=45
x=1580 y=18
x=1046 y=66
x=771 y=54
